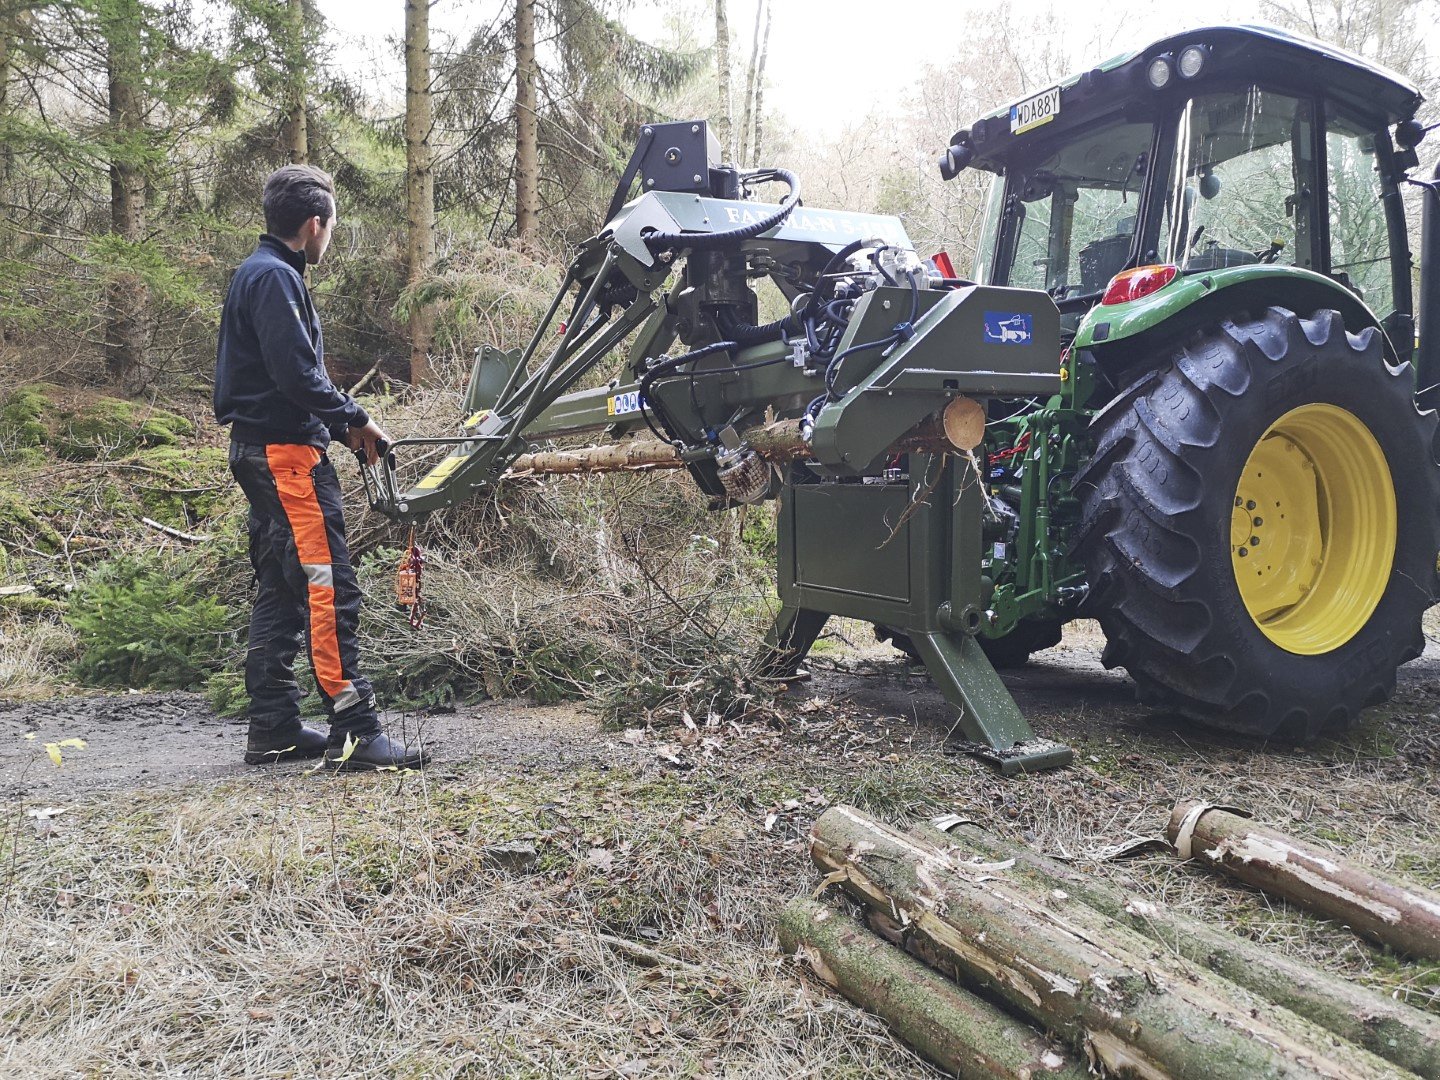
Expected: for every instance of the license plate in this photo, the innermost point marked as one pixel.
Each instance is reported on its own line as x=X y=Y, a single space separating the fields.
x=1032 y=112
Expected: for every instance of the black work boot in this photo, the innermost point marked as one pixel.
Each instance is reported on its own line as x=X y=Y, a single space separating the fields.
x=268 y=747
x=374 y=751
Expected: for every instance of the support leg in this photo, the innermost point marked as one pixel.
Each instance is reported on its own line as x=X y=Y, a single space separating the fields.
x=989 y=716
x=789 y=640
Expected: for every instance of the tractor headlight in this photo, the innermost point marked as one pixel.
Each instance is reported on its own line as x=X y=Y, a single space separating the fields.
x=1191 y=60
x=1159 y=72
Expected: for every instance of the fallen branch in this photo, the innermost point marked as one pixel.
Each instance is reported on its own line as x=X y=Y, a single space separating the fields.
x=365 y=379
x=1392 y=912
x=643 y=954
x=191 y=538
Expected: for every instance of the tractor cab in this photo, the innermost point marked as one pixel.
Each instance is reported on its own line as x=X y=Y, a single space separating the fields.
x=1215 y=152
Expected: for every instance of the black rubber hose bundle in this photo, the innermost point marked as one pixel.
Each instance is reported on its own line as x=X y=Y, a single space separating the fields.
x=657 y=241
x=746 y=334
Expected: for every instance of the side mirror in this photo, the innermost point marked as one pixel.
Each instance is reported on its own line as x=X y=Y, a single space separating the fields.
x=1209 y=186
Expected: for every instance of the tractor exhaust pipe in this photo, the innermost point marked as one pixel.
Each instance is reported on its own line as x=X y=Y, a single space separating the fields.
x=1427 y=356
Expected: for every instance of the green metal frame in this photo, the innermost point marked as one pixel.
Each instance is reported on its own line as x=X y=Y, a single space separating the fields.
x=910 y=561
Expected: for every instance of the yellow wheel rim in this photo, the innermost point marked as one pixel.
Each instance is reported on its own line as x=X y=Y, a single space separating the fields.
x=1312 y=534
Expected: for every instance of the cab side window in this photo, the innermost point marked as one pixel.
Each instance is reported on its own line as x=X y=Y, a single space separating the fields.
x=1359 y=236
x=1241 y=185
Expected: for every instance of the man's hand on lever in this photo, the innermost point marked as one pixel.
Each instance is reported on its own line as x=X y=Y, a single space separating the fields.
x=368 y=442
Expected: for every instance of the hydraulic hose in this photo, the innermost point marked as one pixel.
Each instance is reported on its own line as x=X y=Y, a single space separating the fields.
x=746 y=334
x=657 y=241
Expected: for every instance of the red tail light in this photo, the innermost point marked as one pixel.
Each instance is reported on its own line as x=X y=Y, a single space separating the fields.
x=1133 y=284
x=941 y=261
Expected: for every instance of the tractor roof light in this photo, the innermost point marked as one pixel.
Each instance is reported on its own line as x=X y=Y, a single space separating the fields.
x=1191 y=60
x=1133 y=284
x=1159 y=72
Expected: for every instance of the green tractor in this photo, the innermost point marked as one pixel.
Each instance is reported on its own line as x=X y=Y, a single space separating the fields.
x=1179 y=394
x=1236 y=471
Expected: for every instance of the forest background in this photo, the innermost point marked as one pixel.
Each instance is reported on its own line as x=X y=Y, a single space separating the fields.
x=472 y=145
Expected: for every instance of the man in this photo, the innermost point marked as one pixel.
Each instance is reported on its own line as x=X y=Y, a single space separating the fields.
x=272 y=389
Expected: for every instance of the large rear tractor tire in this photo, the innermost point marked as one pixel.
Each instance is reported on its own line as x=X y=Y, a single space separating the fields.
x=1260 y=523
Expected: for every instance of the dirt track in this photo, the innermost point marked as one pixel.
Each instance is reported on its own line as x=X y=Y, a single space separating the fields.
x=141 y=740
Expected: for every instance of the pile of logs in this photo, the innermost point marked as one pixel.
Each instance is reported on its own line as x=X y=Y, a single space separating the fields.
x=1015 y=965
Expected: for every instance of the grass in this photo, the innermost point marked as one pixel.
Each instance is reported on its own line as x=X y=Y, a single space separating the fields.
x=291 y=924
x=313 y=926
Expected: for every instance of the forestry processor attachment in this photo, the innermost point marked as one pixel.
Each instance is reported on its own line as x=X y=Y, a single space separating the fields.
x=862 y=408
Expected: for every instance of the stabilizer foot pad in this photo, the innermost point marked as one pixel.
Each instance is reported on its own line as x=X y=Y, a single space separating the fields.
x=1029 y=756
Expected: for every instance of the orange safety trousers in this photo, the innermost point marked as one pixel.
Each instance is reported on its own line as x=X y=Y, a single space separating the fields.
x=306 y=591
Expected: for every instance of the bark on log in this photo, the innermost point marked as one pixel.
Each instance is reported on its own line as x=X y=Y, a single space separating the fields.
x=948 y=1026
x=945 y=432
x=1391 y=1029
x=1403 y=916
x=1132 y=1006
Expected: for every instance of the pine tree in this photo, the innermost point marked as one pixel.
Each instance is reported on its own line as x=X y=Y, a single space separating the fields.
x=419 y=180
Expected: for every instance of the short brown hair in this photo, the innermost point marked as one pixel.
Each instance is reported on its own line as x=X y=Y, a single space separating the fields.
x=293 y=195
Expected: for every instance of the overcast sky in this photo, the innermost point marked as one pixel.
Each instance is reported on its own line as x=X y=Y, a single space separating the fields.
x=813 y=43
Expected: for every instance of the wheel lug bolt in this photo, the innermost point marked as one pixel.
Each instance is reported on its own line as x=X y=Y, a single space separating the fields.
x=1250 y=504
x=1259 y=522
x=1254 y=541
x=1244 y=552
x=1239 y=501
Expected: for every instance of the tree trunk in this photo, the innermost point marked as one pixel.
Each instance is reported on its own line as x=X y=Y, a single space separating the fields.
x=1395 y=1031
x=527 y=125
x=758 y=146
x=1403 y=916
x=778 y=442
x=419 y=181
x=742 y=151
x=297 y=125
x=944 y=1024
x=8 y=33
x=723 y=121
x=126 y=330
x=1130 y=1006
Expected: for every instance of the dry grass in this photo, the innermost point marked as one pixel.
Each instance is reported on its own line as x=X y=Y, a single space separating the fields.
x=309 y=926
x=294 y=925
x=35 y=651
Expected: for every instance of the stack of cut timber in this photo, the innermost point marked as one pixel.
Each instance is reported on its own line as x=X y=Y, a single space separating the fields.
x=1076 y=962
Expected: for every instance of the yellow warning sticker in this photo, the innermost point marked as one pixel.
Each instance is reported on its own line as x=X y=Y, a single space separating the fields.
x=477 y=418
x=440 y=472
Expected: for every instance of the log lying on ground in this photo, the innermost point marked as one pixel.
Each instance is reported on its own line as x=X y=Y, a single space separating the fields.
x=1393 y=1030
x=946 y=1025
x=957 y=427
x=1130 y=1005
x=1405 y=917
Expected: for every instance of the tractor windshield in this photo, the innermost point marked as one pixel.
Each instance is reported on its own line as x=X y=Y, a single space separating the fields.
x=1068 y=219
x=1240 y=189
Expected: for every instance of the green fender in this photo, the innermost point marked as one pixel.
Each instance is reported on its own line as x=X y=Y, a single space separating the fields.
x=1195 y=299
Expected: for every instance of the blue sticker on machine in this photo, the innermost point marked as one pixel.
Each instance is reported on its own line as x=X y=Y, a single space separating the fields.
x=1009 y=327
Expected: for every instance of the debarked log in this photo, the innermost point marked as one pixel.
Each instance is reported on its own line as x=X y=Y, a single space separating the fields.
x=1397 y=1032
x=1404 y=916
x=946 y=1025
x=1129 y=1004
x=958 y=427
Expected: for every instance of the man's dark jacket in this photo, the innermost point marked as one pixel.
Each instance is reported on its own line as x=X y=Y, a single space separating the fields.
x=270 y=380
